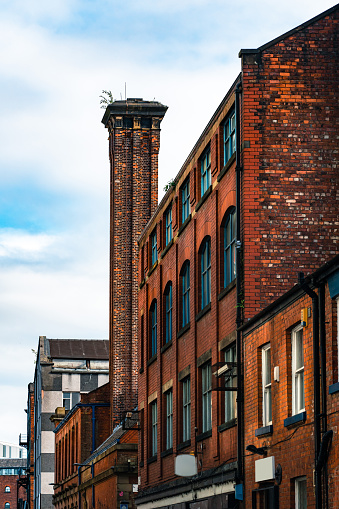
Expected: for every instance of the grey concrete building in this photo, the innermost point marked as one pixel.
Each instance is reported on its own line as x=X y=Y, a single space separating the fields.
x=65 y=368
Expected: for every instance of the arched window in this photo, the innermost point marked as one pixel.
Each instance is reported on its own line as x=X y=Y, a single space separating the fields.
x=185 y=280
x=153 y=325
x=205 y=256
x=168 y=312
x=7 y=489
x=7 y=505
x=229 y=248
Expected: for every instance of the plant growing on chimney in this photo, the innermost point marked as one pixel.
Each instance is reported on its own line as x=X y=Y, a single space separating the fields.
x=106 y=99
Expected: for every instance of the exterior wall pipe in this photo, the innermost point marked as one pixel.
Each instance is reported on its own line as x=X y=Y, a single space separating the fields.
x=316 y=385
x=238 y=169
x=322 y=331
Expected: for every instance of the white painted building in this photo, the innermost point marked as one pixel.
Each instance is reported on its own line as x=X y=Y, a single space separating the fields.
x=65 y=369
x=8 y=450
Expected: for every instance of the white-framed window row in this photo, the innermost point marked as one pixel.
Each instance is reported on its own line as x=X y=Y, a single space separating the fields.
x=300 y=492
x=298 y=392
x=266 y=385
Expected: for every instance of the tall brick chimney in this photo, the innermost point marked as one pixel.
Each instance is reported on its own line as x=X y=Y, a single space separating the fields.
x=134 y=140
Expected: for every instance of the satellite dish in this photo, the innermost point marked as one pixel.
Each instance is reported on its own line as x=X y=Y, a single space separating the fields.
x=185 y=465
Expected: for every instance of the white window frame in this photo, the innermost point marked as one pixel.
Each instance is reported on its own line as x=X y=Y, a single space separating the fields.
x=206 y=392
x=185 y=201
x=73 y=398
x=154 y=247
x=231 y=381
x=266 y=385
x=168 y=225
x=300 y=504
x=186 y=409
x=169 y=419
x=229 y=137
x=298 y=383
x=205 y=165
x=154 y=427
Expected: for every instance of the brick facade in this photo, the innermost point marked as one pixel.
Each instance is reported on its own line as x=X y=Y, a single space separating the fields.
x=292 y=444
x=11 y=497
x=286 y=208
x=134 y=136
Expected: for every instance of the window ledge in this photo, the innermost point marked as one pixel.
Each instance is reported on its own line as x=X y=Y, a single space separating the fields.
x=265 y=430
x=227 y=425
x=202 y=436
x=184 y=329
x=203 y=312
x=295 y=419
x=169 y=245
x=166 y=346
x=152 y=459
x=226 y=167
x=203 y=198
x=142 y=283
x=183 y=445
x=333 y=388
x=166 y=453
x=141 y=370
x=152 y=269
x=152 y=359
x=226 y=290
x=184 y=224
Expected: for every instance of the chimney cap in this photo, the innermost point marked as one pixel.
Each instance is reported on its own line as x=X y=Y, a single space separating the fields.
x=134 y=107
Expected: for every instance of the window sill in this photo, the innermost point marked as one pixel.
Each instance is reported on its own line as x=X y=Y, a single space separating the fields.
x=203 y=198
x=183 y=445
x=153 y=268
x=166 y=453
x=151 y=360
x=203 y=312
x=265 y=430
x=226 y=167
x=226 y=290
x=142 y=283
x=184 y=224
x=166 y=346
x=167 y=248
x=184 y=329
x=227 y=425
x=202 y=436
x=152 y=459
x=295 y=419
x=141 y=370
x=333 y=388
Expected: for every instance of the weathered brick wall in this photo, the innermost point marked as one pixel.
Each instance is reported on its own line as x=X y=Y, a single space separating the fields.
x=290 y=166
x=11 y=481
x=292 y=447
x=134 y=146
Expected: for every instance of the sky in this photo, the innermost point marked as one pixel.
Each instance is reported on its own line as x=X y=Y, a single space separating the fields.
x=56 y=57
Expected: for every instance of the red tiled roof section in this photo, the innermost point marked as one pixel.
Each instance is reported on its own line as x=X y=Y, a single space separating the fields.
x=79 y=349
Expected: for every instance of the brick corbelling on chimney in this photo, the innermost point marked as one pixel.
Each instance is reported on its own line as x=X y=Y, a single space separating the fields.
x=134 y=146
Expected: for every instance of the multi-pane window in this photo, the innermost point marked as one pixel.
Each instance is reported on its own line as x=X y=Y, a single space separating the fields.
x=7 y=505
x=206 y=391
x=154 y=248
x=205 y=169
x=300 y=493
x=186 y=294
x=298 y=395
x=69 y=399
x=168 y=312
x=154 y=428
x=153 y=324
x=229 y=137
x=169 y=419
x=229 y=248
x=185 y=201
x=186 y=409
x=231 y=381
x=168 y=225
x=205 y=273
x=7 y=489
x=266 y=385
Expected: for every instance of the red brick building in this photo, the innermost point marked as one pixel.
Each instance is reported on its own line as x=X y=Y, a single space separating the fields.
x=12 y=494
x=253 y=205
x=291 y=394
